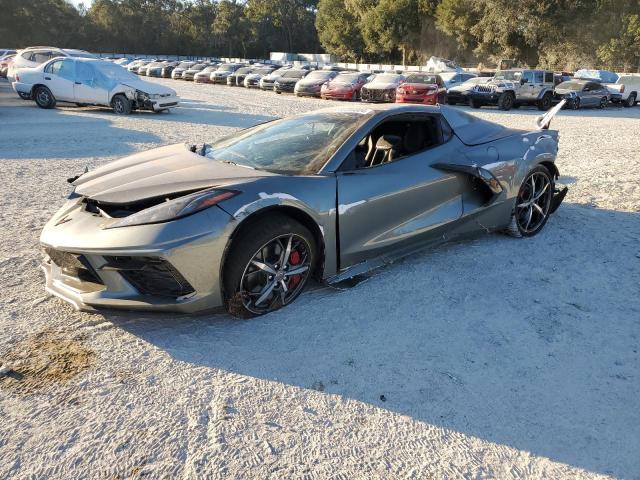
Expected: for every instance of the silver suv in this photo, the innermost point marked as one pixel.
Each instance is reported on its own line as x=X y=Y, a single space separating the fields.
x=511 y=88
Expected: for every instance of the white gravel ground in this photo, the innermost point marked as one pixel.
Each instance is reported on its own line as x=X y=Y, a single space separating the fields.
x=494 y=358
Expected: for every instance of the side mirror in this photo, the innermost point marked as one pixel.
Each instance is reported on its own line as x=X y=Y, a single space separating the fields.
x=523 y=81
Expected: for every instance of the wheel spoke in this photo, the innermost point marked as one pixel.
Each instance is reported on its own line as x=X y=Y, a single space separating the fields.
x=541 y=192
x=529 y=216
x=265 y=292
x=263 y=266
x=297 y=270
x=537 y=207
x=287 y=251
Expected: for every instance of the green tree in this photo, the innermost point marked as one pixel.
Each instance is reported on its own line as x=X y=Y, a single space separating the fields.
x=339 y=31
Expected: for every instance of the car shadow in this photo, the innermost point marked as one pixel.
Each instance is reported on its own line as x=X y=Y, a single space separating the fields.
x=528 y=343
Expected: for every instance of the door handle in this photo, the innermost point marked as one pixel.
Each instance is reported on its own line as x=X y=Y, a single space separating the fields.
x=78 y=83
x=47 y=78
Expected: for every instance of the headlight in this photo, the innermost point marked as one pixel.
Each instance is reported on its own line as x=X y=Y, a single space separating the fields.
x=174 y=209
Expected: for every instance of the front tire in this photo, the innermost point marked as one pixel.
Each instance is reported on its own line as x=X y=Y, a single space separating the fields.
x=121 y=105
x=506 y=101
x=603 y=103
x=44 y=98
x=531 y=209
x=268 y=267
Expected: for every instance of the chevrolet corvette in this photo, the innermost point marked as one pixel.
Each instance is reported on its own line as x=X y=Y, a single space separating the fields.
x=246 y=221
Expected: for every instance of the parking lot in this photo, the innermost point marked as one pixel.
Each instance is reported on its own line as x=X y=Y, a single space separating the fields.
x=492 y=358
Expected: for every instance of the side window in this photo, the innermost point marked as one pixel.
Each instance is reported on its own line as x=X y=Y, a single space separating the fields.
x=538 y=76
x=587 y=87
x=41 y=57
x=548 y=77
x=527 y=76
x=54 y=67
x=66 y=69
x=84 y=73
x=397 y=138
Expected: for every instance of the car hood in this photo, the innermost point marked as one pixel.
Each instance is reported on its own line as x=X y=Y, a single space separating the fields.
x=148 y=87
x=311 y=83
x=158 y=172
x=380 y=86
x=419 y=86
x=287 y=80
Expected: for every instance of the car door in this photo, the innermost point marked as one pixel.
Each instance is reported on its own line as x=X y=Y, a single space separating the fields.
x=537 y=85
x=59 y=78
x=588 y=95
x=526 y=85
x=397 y=204
x=87 y=87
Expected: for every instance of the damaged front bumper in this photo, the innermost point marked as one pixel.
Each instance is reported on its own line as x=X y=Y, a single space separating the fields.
x=171 y=266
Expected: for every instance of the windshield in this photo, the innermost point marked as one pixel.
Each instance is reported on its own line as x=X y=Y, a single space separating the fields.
x=295 y=145
x=199 y=66
x=209 y=69
x=319 y=75
x=387 y=78
x=293 y=74
x=116 y=72
x=242 y=70
x=225 y=68
x=421 y=78
x=184 y=65
x=508 y=75
x=263 y=71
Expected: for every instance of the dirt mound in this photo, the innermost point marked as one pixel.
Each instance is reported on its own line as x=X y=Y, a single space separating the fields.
x=47 y=358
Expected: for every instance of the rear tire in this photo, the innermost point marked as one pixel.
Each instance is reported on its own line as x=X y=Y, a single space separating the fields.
x=544 y=103
x=44 y=98
x=506 y=101
x=531 y=192
x=249 y=245
x=631 y=101
x=121 y=105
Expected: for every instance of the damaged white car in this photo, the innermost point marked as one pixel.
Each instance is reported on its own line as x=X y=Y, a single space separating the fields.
x=92 y=82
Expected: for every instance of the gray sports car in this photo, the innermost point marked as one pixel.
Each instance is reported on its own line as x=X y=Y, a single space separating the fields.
x=246 y=221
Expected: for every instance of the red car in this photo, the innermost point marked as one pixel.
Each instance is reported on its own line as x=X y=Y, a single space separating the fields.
x=424 y=88
x=345 y=86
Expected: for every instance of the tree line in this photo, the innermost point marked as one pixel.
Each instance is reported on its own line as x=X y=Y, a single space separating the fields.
x=558 y=34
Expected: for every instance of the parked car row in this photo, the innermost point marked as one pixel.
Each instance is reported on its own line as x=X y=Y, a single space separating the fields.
x=506 y=89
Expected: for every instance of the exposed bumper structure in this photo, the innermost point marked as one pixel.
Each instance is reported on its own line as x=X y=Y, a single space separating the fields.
x=172 y=266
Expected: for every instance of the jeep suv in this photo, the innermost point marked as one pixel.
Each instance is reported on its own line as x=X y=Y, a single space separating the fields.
x=511 y=88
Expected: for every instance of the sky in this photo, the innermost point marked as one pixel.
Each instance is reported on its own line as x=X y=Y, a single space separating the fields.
x=78 y=2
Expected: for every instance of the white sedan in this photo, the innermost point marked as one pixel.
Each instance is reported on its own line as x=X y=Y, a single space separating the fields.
x=92 y=82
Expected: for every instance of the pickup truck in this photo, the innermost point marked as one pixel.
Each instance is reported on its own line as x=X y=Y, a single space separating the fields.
x=624 y=89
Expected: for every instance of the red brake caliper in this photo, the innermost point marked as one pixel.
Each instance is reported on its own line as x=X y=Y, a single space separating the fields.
x=294 y=259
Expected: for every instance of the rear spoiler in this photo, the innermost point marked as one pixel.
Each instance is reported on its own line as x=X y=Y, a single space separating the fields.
x=543 y=121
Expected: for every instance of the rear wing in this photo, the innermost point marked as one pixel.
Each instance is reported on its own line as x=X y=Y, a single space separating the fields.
x=543 y=121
